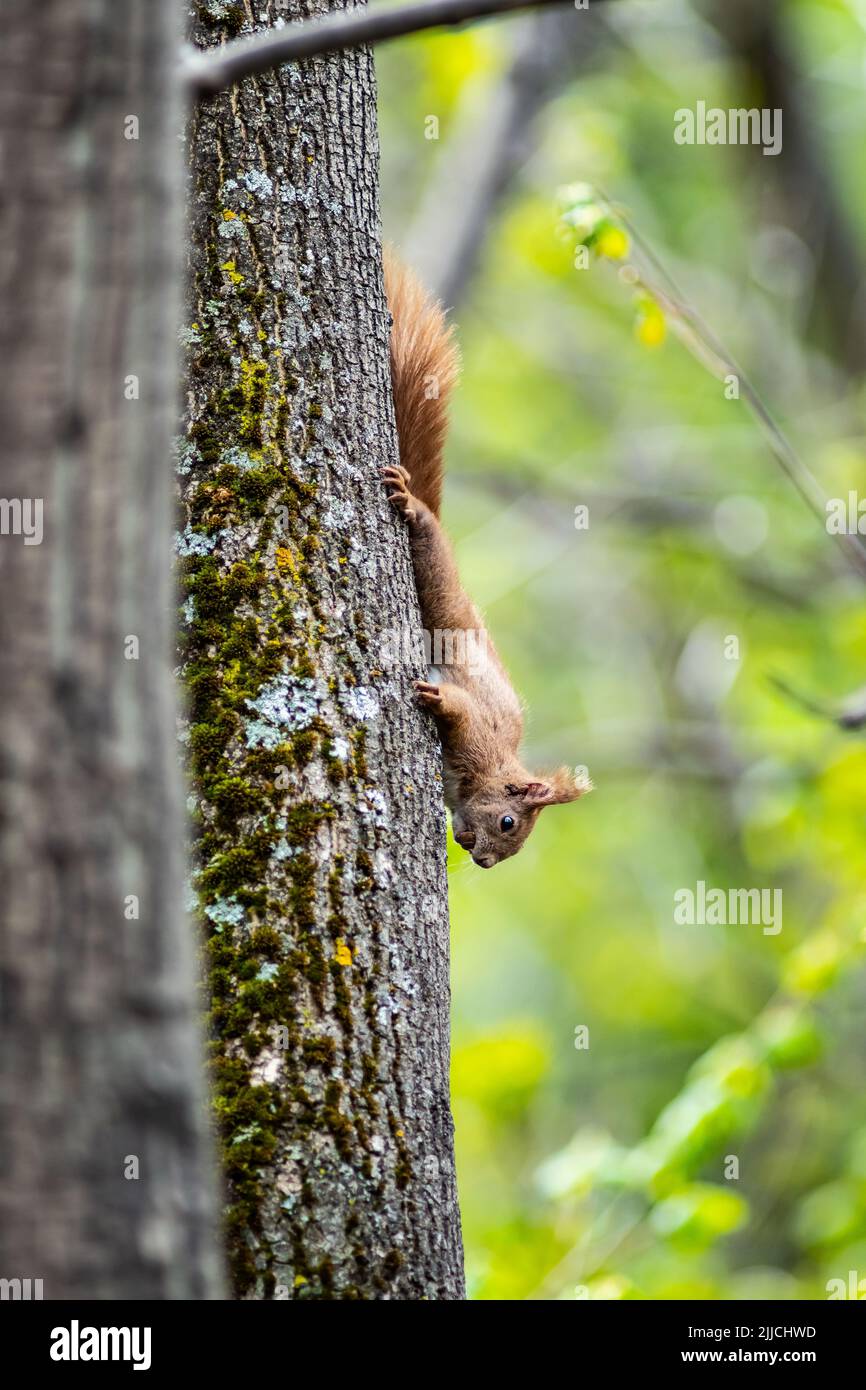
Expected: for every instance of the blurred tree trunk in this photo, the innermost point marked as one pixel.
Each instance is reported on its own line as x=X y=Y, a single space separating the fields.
x=105 y=1188
x=493 y=134
x=760 y=36
x=321 y=837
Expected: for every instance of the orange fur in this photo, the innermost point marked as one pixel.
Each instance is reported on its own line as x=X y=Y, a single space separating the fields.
x=425 y=364
x=495 y=802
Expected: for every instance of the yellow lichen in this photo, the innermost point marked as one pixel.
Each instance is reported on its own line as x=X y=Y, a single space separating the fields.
x=231 y=271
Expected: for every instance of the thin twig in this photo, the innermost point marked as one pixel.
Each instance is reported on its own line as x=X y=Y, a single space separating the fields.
x=706 y=345
x=483 y=157
x=852 y=716
x=210 y=71
x=759 y=44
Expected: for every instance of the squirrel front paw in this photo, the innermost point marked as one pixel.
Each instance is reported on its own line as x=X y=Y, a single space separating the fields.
x=397 y=481
x=428 y=695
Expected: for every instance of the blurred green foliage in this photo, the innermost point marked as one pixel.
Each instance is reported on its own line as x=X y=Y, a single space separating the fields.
x=606 y=1170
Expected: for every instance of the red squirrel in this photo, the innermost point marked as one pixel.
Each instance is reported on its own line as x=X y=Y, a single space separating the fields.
x=494 y=801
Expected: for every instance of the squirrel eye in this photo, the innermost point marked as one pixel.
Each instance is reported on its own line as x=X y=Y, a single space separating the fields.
x=507 y=823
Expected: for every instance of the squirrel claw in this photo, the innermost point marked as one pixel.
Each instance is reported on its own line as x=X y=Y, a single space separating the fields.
x=396 y=477
x=427 y=694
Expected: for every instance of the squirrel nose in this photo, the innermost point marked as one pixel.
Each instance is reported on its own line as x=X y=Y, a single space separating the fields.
x=485 y=861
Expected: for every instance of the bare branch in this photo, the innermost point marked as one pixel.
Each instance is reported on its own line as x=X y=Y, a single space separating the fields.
x=211 y=71
x=817 y=212
x=706 y=347
x=482 y=157
x=851 y=716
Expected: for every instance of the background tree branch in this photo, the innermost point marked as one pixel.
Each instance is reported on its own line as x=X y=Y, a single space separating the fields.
x=241 y=57
x=482 y=157
x=758 y=36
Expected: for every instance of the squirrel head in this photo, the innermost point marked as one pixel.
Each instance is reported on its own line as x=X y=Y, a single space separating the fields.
x=493 y=823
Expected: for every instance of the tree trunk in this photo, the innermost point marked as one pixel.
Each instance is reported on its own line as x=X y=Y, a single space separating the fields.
x=104 y=1190
x=321 y=835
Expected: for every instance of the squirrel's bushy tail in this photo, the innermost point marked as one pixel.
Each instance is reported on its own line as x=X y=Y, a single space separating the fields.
x=424 y=367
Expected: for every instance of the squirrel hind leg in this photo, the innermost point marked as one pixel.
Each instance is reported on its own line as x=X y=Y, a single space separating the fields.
x=396 y=480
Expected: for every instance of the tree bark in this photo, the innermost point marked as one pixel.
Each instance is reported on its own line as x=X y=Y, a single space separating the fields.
x=104 y=1190
x=320 y=858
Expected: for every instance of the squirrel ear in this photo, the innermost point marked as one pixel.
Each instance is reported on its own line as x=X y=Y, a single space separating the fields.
x=563 y=785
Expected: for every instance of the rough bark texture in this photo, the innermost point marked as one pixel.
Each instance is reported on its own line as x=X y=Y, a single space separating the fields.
x=100 y=1059
x=320 y=861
